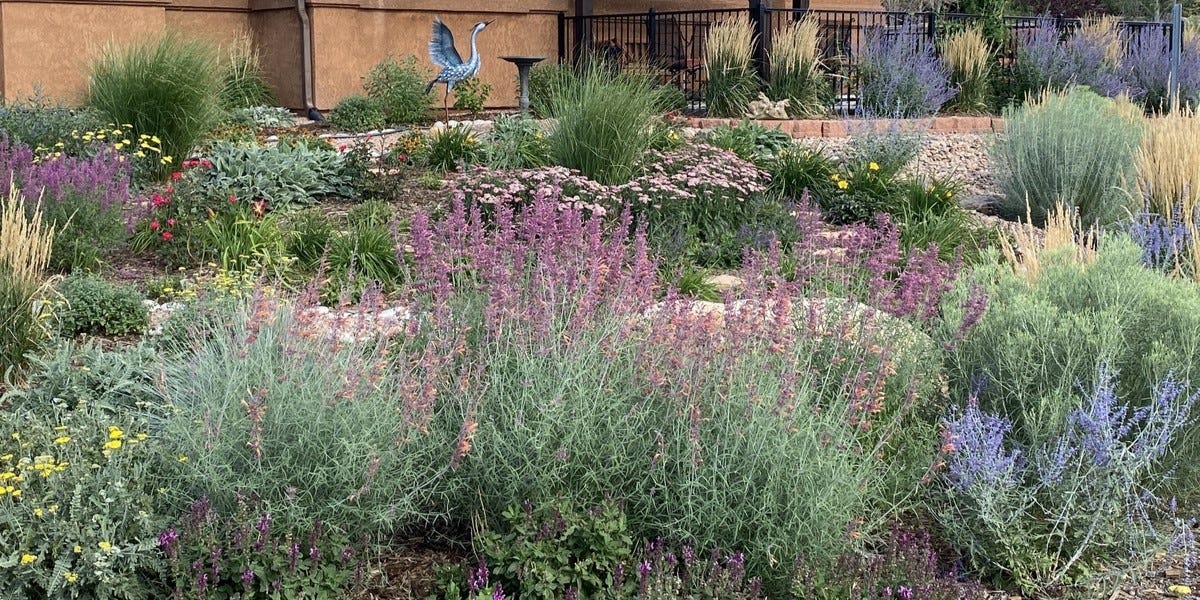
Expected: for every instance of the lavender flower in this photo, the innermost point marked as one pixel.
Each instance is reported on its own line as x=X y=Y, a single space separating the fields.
x=902 y=77
x=979 y=456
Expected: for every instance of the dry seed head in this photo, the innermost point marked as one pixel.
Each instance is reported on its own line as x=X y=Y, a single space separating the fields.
x=730 y=44
x=25 y=242
x=1168 y=162
x=1103 y=32
x=966 y=52
x=794 y=46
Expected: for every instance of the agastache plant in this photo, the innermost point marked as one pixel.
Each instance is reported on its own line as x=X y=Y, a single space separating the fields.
x=1045 y=510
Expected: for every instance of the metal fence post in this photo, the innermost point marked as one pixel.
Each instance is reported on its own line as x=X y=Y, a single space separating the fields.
x=759 y=18
x=562 y=36
x=1176 y=55
x=651 y=37
x=932 y=30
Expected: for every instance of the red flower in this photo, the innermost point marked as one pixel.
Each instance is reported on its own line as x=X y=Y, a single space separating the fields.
x=176 y=176
x=157 y=200
x=166 y=236
x=232 y=199
x=169 y=190
x=341 y=147
x=171 y=221
x=153 y=225
x=207 y=163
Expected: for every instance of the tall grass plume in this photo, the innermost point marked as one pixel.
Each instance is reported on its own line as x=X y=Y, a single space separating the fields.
x=728 y=64
x=796 y=69
x=25 y=246
x=967 y=54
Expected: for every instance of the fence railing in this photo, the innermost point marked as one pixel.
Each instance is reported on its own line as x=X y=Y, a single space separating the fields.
x=675 y=41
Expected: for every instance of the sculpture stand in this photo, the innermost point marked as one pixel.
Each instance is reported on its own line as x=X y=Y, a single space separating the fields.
x=524 y=63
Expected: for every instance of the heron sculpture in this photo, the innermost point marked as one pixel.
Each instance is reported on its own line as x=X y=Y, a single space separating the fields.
x=443 y=54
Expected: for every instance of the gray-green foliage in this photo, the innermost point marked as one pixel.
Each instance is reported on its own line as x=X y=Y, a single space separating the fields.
x=604 y=122
x=358 y=113
x=96 y=306
x=516 y=143
x=1039 y=342
x=36 y=123
x=1074 y=148
x=264 y=116
x=399 y=87
x=283 y=174
x=314 y=426
x=892 y=147
x=739 y=444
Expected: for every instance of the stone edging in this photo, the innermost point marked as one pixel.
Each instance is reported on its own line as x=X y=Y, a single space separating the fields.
x=835 y=128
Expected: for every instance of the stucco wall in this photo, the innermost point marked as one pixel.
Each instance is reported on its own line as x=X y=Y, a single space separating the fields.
x=50 y=45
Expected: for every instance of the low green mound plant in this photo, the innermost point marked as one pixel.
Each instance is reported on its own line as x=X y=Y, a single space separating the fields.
x=732 y=81
x=451 y=148
x=604 y=122
x=796 y=69
x=308 y=237
x=358 y=113
x=399 y=87
x=472 y=95
x=262 y=116
x=96 y=306
x=749 y=140
x=516 y=143
x=1072 y=147
x=167 y=86
x=797 y=171
x=38 y=123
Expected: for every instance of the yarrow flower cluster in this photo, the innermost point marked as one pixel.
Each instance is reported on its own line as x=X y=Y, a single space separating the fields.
x=690 y=173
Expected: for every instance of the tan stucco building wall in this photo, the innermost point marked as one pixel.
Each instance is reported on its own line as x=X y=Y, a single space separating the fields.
x=49 y=43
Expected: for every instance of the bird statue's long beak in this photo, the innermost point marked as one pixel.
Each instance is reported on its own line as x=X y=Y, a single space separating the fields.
x=489 y=22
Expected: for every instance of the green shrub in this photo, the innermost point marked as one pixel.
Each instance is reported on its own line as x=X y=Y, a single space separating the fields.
x=358 y=113
x=516 y=143
x=604 y=122
x=37 y=124
x=860 y=191
x=748 y=140
x=242 y=81
x=96 y=306
x=168 y=87
x=244 y=237
x=540 y=551
x=471 y=95
x=368 y=252
x=372 y=213
x=891 y=147
x=88 y=229
x=732 y=81
x=449 y=148
x=399 y=87
x=1075 y=148
x=87 y=519
x=25 y=246
x=1045 y=335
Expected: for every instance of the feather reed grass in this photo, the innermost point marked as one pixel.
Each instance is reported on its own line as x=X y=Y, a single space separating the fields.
x=967 y=54
x=243 y=84
x=796 y=69
x=728 y=63
x=25 y=245
x=1168 y=174
x=1064 y=232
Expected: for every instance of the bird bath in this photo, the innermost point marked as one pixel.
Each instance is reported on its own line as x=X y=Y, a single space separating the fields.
x=524 y=63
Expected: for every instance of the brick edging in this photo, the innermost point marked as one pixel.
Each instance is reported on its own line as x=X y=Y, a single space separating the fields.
x=833 y=128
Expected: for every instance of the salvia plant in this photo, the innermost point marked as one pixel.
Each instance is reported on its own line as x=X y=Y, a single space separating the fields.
x=1046 y=508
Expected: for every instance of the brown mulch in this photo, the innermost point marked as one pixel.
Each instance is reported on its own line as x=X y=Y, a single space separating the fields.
x=407 y=572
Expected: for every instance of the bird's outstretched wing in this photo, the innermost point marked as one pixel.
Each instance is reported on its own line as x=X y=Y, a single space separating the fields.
x=441 y=46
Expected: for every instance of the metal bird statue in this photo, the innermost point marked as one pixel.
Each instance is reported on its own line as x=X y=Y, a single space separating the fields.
x=443 y=54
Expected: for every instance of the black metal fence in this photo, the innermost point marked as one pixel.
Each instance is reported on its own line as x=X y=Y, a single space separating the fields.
x=675 y=41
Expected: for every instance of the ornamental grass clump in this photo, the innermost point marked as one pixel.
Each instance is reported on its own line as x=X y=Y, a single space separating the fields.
x=168 y=87
x=1066 y=497
x=796 y=69
x=729 y=68
x=604 y=122
x=967 y=54
x=25 y=247
x=901 y=76
x=1071 y=147
x=242 y=81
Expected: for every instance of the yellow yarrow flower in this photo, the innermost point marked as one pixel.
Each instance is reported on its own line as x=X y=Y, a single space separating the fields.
x=77 y=549
x=37 y=512
x=183 y=458
x=115 y=433
x=112 y=445
x=27 y=559
x=62 y=439
x=105 y=546
x=70 y=577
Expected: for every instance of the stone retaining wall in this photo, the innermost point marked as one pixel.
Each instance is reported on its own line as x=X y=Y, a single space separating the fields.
x=836 y=128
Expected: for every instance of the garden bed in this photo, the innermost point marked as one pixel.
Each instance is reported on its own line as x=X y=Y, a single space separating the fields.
x=838 y=128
